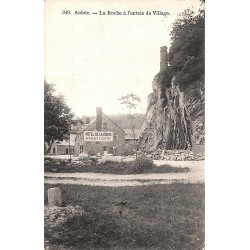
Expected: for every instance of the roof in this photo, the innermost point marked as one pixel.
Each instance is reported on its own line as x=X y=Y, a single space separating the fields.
x=87 y=125
x=114 y=122
x=129 y=134
x=66 y=142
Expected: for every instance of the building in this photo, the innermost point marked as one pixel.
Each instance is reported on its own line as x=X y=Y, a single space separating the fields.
x=131 y=143
x=101 y=137
x=62 y=148
x=129 y=136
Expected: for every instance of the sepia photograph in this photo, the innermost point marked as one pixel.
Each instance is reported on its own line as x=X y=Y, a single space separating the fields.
x=124 y=124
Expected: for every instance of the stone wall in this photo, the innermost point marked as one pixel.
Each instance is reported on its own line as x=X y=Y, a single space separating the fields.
x=174 y=155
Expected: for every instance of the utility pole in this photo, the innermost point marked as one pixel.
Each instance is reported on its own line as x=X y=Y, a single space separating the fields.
x=69 y=143
x=130 y=117
x=69 y=148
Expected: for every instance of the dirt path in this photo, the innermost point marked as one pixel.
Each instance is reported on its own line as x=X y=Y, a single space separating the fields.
x=195 y=175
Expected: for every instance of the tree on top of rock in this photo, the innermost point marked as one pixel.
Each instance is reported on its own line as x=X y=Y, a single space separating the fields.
x=187 y=51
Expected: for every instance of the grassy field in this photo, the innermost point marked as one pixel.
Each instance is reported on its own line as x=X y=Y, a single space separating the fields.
x=145 y=217
x=64 y=166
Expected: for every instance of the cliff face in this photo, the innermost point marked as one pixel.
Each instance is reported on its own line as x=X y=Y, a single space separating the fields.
x=194 y=98
x=174 y=118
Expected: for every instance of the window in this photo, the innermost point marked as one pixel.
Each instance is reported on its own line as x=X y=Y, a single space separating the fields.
x=115 y=137
x=105 y=125
x=54 y=150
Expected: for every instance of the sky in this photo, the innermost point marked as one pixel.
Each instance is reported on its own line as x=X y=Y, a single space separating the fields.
x=95 y=59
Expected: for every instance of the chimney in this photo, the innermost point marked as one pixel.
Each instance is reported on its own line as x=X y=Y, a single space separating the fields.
x=98 y=119
x=87 y=120
x=164 y=58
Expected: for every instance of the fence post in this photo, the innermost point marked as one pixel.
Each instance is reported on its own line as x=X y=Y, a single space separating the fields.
x=54 y=197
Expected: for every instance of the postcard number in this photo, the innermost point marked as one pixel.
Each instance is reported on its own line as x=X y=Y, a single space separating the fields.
x=66 y=12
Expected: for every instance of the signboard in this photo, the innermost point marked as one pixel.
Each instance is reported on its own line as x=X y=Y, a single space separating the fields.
x=101 y=136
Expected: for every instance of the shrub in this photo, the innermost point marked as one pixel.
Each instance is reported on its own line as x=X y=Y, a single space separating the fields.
x=142 y=164
x=83 y=158
x=128 y=151
x=91 y=153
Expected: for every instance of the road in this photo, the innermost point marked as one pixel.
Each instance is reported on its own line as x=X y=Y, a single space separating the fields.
x=195 y=175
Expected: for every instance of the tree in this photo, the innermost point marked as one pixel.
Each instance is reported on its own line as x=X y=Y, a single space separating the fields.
x=58 y=117
x=187 y=51
x=123 y=122
x=130 y=102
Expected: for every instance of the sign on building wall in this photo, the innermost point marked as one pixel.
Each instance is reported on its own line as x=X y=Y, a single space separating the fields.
x=98 y=136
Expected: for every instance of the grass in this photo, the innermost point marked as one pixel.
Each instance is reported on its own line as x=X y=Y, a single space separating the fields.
x=64 y=166
x=146 y=217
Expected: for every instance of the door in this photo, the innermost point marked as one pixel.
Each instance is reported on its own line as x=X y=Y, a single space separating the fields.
x=105 y=150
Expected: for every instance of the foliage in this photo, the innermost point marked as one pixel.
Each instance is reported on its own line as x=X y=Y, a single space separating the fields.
x=146 y=217
x=122 y=121
x=140 y=165
x=130 y=102
x=57 y=116
x=143 y=164
x=91 y=228
x=187 y=51
x=128 y=151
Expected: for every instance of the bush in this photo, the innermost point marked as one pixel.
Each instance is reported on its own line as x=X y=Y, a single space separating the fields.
x=128 y=150
x=142 y=164
x=83 y=158
x=91 y=153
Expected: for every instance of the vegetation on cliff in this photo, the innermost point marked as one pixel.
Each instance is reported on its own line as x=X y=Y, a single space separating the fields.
x=175 y=113
x=187 y=51
x=187 y=65
x=186 y=57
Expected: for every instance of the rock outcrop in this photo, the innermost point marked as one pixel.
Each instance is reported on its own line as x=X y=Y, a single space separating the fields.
x=194 y=98
x=167 y=124
x=174 y=117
